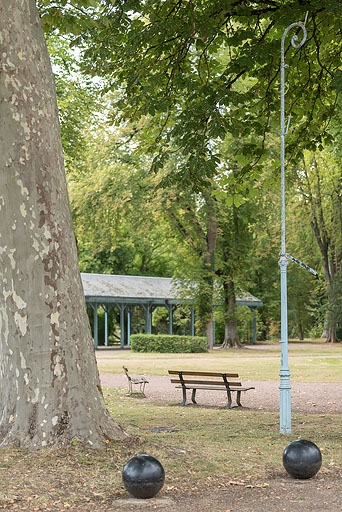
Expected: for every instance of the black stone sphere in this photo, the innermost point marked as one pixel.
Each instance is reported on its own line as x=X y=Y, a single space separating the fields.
x=143 y=476
x=302 y=459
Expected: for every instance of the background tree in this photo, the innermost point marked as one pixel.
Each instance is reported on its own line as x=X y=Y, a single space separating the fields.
x=201 y=71
x=320 y=197
x=193 y=220
x=78 y=98
x=116 y=209
x=233 y=255
x=184 y=64
x=189 y=76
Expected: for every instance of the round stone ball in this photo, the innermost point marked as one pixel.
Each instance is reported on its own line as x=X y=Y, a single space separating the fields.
x=302 y=459
x=143 y=476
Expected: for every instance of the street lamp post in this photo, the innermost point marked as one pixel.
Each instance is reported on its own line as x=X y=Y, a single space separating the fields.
x=285 y=386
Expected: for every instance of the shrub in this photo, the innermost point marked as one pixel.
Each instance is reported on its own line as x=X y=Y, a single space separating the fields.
x=164 y=343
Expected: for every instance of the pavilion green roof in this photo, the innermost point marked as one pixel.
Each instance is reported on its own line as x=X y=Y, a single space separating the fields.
x=115 y=289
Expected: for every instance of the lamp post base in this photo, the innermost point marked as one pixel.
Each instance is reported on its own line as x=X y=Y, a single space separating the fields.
x=285 y=403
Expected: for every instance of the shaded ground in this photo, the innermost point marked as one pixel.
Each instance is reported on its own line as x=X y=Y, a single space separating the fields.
x=276 y=495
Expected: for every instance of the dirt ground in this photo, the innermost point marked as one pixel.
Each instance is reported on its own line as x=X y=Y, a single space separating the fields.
x=279 y=493
x=276 y=495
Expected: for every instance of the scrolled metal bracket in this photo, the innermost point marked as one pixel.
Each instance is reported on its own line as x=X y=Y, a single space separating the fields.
x=295 y=39
x=296 y=43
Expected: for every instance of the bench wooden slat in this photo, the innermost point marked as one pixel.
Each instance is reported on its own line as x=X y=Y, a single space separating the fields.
x=216 y=386
x=203 y=374
x=207 y=382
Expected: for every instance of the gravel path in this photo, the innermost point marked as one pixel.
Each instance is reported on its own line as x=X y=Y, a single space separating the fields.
x=305 y=396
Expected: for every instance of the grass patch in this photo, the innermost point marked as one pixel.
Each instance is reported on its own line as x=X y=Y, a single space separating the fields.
x=212 y=443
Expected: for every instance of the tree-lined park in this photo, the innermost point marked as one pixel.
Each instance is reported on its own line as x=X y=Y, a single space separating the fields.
x=141 y=138
x=170 y=126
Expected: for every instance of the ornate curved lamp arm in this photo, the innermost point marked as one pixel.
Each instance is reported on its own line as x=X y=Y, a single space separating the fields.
x=296 y=43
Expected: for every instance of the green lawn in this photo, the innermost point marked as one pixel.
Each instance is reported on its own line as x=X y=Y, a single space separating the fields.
x=314 y=362
x=242 y=444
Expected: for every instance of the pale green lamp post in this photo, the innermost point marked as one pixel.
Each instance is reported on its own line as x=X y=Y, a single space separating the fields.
x=285 y=386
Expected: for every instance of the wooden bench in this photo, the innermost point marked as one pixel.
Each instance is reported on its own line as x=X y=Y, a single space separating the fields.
x=229 y=382
x=138 y=381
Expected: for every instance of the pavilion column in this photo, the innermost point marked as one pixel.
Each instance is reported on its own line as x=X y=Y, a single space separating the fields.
x=213 y=327
x=128 y=326
x=192 y=319
x=171 y=309
x=96 y=326
x=148 y=318
x=254 y=326
x=106 y=309
x=171 y=320
x=122 y=324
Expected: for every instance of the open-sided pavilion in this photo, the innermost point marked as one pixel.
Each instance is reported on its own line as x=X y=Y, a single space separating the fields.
x=126 y=292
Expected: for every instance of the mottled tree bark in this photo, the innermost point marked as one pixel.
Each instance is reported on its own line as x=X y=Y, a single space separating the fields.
x=49 y=384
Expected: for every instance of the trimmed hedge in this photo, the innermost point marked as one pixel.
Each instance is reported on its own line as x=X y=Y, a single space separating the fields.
x=164 y=343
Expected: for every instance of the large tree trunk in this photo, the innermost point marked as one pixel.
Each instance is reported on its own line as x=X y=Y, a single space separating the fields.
x=49 y=384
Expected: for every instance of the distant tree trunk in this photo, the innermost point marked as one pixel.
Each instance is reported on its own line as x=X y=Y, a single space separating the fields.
x=330 y=335
x=50 y=391
x=206 y=285
x=300 y=331
x=210 y=334
x=231 y=336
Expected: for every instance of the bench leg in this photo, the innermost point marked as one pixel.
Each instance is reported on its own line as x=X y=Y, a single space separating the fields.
x=229 y=396
x=193 y=396
x=238 y=398
x=184 y=396
x=142 y=388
